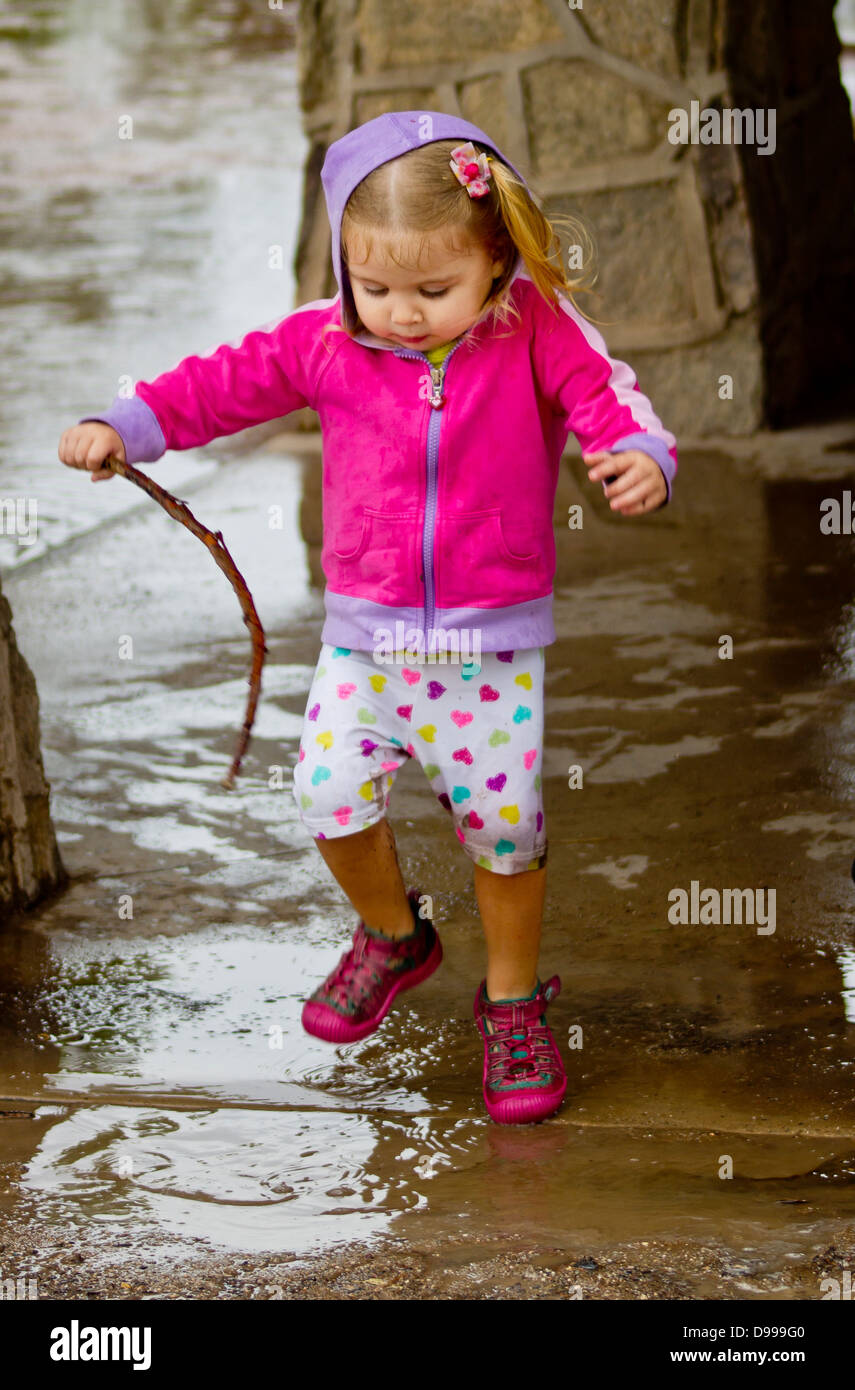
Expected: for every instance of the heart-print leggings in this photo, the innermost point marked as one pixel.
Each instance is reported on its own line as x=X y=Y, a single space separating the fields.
x=476 y=728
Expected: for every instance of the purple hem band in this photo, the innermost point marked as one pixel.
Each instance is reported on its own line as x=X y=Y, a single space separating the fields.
x=353 y=622
x=137 y=425
x=656 y=448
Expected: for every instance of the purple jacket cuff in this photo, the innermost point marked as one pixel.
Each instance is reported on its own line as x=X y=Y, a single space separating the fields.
x=137 y=425
x=656 y=448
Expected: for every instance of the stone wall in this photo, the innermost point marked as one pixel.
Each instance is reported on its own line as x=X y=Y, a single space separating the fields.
x=30 y=864
x=579 y=99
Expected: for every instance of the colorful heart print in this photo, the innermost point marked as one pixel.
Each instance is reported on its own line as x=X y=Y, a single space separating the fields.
x=498 y=736
x=377 y=682
x=405 y=711
x=435 y=689
x=320 y=774
x=343 y=814
x=474 y=821
x=325 y=739
x=510 y=813
x=496 y=783
x=520 y=713
x=345 y=690
x=459 y=794
x=427 y=732
x=523 y=679
x=462 y=755
x=487 y=692
x=367 y=747
x=529 y=759
x=504 y=656
x=314 y=712
x=411 y=677
x=461 y=717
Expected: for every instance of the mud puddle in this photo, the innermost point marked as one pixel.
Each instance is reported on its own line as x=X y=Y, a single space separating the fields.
x=152 y=1034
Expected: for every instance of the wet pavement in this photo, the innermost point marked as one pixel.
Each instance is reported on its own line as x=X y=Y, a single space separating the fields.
x=166 y=1126
x=151 y=1025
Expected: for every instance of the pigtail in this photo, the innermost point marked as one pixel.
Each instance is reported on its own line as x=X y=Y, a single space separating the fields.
x=536 y=238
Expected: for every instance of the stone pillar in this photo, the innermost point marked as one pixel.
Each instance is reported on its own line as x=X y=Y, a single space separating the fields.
x=691 y=249
x=30 y=864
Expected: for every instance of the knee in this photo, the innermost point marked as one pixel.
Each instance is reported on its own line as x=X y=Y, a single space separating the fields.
x=332 y=794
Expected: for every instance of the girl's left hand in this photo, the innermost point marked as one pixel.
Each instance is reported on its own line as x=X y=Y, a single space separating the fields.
x=640 y=485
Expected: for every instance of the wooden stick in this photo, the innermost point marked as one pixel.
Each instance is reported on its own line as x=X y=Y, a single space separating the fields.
x=217 y=546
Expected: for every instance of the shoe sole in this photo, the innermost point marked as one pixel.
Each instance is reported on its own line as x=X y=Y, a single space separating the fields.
x=522 y=1109
x=324 y=1023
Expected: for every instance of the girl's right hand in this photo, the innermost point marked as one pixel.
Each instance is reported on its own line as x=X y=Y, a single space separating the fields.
x=87 y=446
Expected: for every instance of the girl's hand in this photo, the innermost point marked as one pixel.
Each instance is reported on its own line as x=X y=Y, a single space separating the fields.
x=87 y=446
x=640 y=484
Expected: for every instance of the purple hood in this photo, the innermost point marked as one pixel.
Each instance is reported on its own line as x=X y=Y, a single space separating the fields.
x=351 y=158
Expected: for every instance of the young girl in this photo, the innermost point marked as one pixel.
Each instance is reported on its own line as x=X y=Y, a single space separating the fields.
x=447 y=374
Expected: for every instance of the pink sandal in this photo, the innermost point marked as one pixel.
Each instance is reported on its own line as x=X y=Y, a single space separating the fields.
x=524 y=1078
x=355 y=998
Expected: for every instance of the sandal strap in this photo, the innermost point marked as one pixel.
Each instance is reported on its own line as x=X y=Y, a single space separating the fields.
x=519 y=1028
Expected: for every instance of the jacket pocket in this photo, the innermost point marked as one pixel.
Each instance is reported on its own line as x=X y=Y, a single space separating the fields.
x=512 y=554
x=352 y=552
x=478 y=536
x=380 y=561
x=477 y=565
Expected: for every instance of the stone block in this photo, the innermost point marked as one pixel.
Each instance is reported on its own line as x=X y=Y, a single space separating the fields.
x=395 y=35
x=644 y=32
x=580 y=115
x=642 y=253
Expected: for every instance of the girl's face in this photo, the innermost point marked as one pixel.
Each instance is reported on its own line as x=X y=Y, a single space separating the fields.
x=421 y=305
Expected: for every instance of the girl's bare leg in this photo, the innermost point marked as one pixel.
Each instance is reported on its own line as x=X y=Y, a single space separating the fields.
x=365 y=866
x=511 y=907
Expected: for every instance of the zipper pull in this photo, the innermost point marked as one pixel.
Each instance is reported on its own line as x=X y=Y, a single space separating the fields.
x=437 y=399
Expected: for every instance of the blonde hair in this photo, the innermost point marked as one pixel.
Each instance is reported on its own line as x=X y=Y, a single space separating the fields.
x=418 y=193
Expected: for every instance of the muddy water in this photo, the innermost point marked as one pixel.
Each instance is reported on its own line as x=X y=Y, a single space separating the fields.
x=154 y=1009
x=159 y=1091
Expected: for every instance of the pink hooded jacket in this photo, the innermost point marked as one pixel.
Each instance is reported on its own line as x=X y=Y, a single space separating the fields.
x=438 y=482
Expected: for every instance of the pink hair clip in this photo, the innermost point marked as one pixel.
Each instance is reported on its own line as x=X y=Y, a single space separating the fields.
x=471 y=168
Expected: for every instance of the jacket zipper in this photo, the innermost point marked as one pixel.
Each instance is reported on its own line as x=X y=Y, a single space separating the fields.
x=437 y=401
